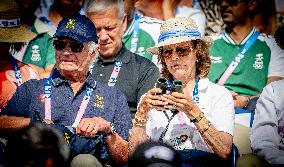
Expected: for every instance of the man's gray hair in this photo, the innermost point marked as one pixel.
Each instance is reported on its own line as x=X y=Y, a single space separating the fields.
x=105 y=5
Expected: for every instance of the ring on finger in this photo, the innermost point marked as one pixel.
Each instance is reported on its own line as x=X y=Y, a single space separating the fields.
x=174 y=104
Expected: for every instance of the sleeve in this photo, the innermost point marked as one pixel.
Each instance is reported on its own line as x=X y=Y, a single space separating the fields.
x=149 y=75
x=122 y=118
x=19 y=104
x=223 y=113
x=50 y=55
x=276 y=64
x=265 y=140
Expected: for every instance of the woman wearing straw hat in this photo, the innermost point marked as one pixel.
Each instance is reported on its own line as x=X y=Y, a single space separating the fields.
x=13 y=41
x=199 y=120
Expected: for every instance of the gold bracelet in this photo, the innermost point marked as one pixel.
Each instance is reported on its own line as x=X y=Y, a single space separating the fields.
x=140 y=124
x=198 y=118
x=205 y=128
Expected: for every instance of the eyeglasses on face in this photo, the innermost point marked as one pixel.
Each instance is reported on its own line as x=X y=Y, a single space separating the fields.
x=181 y=51
x=60 y=44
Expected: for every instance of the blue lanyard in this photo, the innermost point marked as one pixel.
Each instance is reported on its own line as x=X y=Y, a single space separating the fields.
x=134 y=39
x=195 y=94
x=16 y=71
x=83 y=106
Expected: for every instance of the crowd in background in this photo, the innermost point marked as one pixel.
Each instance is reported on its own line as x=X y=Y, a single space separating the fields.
x=234 y=82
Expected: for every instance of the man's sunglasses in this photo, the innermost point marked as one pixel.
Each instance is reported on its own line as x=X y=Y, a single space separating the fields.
x=230 y=2
x=60 y=44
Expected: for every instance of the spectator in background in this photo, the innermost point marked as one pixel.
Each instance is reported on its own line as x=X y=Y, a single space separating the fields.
x=13 y=41
x=136 y=39
x=39 y=52
x=200 y=118
x=116 y=66
x=185 y=8
x=267 y=134
x=37 y=146
x=263 y=61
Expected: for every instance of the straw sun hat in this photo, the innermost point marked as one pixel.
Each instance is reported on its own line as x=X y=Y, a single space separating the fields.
x=11 y=30
x=177 y=30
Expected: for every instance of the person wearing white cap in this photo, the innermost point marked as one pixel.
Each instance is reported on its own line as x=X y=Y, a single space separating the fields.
x=198 y=121
x=13 y=41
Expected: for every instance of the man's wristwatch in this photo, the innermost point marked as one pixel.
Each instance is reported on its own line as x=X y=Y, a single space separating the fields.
x=111 y=131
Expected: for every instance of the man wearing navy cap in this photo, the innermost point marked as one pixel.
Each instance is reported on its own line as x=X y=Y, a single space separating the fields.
x=71 y=97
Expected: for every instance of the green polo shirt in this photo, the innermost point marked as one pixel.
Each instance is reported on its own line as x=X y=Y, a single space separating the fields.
x=250 y=76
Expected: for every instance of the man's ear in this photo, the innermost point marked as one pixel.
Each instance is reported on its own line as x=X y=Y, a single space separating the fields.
x=124 y=23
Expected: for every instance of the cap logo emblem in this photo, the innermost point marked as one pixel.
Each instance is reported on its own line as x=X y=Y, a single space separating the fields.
x=70 y=24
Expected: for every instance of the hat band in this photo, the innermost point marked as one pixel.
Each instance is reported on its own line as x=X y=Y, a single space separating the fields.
x=10 y=23
x=179 y=33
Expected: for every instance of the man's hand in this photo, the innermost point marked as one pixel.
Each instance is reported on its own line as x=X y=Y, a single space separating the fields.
x=89 y=127
x=239 y=101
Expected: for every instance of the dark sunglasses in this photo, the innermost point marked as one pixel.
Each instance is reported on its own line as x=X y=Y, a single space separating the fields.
x=230 y=2
x=60 y=44
x=181 y=51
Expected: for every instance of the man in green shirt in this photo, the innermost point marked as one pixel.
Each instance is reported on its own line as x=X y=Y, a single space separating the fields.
x=263 y=62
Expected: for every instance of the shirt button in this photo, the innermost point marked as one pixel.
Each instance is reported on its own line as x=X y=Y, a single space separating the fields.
x=101 y=75
x=102 y=66
x=69 y=97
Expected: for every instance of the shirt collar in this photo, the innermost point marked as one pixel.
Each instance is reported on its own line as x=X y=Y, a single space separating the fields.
x=203 y=83
x=228 y=39
x=122 y=56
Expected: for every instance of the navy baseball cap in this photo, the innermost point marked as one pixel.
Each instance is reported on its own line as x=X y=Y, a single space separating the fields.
x=77 y=27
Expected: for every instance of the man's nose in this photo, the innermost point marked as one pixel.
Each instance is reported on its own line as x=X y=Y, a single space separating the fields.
x=103 y=35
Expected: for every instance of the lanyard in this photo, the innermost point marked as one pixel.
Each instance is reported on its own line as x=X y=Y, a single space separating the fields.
x=134 y=39
x=83 y=106
x=166 y=128
x=180 y=116
x=113 y=77
x=237 y=59
x=16 y=71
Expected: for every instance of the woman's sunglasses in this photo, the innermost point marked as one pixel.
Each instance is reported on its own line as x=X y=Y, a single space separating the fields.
x=60 y=44
x=181 y=51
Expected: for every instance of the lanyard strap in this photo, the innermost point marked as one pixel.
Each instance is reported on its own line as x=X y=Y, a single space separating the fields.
x=166 y=129
x=113 y=77
x=134 y=39
x=237 y=59
x=16 y=71
x=83 y=106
